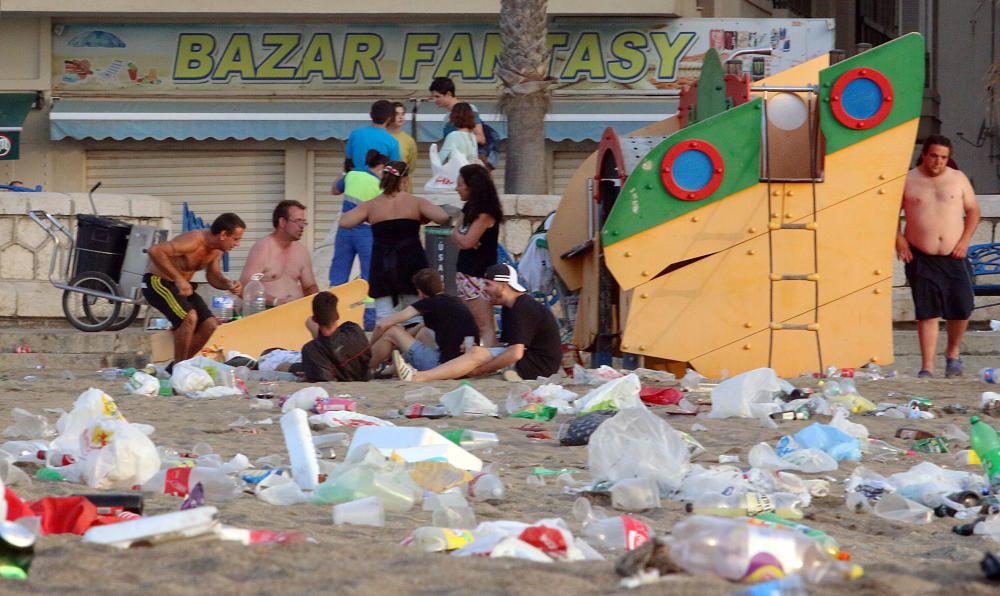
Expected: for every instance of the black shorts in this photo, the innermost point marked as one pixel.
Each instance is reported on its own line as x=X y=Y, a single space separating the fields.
x=941 y=286
x=162 y=295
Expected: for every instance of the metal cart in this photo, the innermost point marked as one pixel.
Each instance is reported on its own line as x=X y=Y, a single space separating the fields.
x=102 y=267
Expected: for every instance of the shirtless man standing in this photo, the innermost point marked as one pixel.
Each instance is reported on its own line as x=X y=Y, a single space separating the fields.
x=285 y=262
x=167 y=284
x=934 y=246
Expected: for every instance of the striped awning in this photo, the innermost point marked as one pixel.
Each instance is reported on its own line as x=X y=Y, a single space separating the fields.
x=575 y=120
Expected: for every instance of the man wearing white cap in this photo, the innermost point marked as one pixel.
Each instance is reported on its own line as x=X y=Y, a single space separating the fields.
x=531 y=344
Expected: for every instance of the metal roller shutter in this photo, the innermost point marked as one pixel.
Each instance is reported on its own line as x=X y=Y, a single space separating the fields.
x=249 y=183
x=565 y=163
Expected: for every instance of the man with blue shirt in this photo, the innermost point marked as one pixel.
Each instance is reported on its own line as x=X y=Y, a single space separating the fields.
x=374 y=136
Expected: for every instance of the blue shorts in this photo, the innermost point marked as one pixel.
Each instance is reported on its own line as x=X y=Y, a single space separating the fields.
x=422 y=356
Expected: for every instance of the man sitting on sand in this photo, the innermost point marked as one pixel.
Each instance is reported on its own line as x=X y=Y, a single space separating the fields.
x=284 y=261
x=533 y=347
x=338 y=351
x=446 y=316
x=167 y=284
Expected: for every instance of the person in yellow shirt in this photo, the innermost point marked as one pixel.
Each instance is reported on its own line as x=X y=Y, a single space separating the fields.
x=407 y=146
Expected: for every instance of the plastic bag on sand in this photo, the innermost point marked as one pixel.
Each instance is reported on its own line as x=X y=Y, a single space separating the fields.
x=832 y=441
x=344 y=418
x=808 y=461
x=366 y=473
x=28 y=425
x=618 y=394
x=635 y=444
x=304 y=399
x=717 y=480
x=197 y=377
x=597 y=376
x=142 y=384
x=93 y=404
x=747 y=395
x=858 y=431
x=926 y=483
x=118 y=455
x=466 y=400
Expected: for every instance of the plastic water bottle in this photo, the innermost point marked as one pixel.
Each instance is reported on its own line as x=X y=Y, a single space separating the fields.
x=986 y=444
x=254 y=298
x=738 y=551
x=222 y=307
x=990 y=375
x=486 y=487
x=785 y=505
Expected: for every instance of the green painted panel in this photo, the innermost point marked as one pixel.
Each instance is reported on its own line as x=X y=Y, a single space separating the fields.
x=644 y=203
x=902 y=62
x=711 y=88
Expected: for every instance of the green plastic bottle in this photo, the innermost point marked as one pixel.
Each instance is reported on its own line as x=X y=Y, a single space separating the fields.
x=986 y=444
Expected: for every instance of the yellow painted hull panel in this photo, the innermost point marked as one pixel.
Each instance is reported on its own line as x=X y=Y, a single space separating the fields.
x=280 y=327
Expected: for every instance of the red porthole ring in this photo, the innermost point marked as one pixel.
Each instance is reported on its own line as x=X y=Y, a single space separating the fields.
x=861 y=98
x=692 y=170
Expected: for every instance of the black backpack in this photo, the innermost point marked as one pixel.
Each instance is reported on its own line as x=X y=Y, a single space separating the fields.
x=489 y=152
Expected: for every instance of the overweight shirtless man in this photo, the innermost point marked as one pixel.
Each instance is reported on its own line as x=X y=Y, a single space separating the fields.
x=284 y=261
x=167 y=284
x=941 y=214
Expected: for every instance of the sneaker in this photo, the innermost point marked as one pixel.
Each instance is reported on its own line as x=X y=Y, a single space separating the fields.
x=404 y=371
x=925 y=374
x=953 y=368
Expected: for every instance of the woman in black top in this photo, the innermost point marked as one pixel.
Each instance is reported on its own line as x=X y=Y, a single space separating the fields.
x=476 y=233
x=395 y=216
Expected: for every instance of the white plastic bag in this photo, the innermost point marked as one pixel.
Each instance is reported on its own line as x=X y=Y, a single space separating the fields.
x=93 y=404
x=466 y=400
x=636 y=443
x=444 y=176
x=118 y=455
x=618 y=394
x=858 y=431
x=809 y=461
x=142 y=384
x=747 y=395
x=201 y=377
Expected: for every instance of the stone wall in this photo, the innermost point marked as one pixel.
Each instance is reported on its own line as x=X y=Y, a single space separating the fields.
x=988 y=230
x=26 y=251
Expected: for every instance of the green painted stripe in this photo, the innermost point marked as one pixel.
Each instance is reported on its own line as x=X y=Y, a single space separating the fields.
x=902 y=62
x=644 y=203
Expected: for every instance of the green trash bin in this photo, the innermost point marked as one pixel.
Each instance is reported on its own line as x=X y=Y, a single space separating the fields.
x=442 y=254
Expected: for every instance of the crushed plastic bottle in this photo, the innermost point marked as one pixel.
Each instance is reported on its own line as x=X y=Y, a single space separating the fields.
x=487 y=487
x=785 y=505
x=739 y=551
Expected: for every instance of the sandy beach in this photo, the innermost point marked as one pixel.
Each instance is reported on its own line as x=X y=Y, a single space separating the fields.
x=897 y=558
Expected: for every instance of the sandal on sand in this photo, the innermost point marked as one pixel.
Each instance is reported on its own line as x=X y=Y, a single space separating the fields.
x=925 y=374
x=404 y=371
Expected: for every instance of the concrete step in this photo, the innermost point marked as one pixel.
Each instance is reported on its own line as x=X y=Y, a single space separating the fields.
x=68 y=340
x=974 y=343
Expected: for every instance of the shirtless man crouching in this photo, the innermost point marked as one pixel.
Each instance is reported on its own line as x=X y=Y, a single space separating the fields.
x=167 y=284
x=936 y=200
x=284 y=261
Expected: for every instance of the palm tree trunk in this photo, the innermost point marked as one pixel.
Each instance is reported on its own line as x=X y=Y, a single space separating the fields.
x=524 y=100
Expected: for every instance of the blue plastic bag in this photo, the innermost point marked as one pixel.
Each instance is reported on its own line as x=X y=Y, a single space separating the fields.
x=828 y=439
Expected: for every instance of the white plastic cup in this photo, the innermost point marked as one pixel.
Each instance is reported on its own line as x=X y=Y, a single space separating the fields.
x=360 y=512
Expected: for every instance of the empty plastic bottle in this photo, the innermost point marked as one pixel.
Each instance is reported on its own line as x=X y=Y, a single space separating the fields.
x=254 y=298
x=784 y=505
x=178 y=481
x=486 y=487
x=739 y=551
x=986 y=444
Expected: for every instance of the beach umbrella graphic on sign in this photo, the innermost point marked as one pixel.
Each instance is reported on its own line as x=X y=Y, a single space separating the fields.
x=97 y=39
